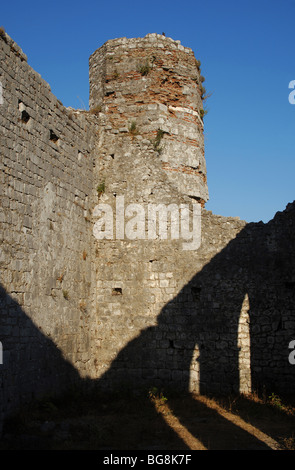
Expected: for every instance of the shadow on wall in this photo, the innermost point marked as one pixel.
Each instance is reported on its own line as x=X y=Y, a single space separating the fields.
x=31 y=363
x=197 y=342
x=229 y=329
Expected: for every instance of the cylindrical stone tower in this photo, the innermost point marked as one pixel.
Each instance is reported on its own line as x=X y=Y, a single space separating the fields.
x=152 y=86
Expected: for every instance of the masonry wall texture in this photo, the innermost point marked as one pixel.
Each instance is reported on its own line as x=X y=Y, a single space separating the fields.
x=154 y=83
x=46 y=185
x=129 y=310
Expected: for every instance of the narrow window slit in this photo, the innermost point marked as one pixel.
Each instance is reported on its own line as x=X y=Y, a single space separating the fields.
x=196 y=292
x=53 y=137
x=25 y=116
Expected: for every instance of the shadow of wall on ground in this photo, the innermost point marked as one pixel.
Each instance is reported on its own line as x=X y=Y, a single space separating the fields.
x=258 y=262
x=33 y=367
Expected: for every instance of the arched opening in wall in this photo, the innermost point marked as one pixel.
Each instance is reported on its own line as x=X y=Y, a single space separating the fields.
x=194 y=373
x=244 y=348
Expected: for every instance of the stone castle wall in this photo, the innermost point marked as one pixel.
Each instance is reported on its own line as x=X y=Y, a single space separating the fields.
x=140 y=280
x=128 y=309
x=46 y=188
x=215 y=319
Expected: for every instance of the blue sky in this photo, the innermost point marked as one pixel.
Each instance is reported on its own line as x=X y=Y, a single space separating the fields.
x=246 y=49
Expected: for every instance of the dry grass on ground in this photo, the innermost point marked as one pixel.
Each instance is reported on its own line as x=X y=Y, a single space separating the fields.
x=153 y=422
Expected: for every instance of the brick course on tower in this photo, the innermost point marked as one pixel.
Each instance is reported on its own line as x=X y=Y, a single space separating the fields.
x=153 y=86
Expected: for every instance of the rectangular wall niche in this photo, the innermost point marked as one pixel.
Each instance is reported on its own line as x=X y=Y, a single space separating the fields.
x=117 y=291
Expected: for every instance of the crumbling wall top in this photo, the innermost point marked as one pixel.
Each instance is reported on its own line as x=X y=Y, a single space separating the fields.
x=151 y=38
x=12 y=44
